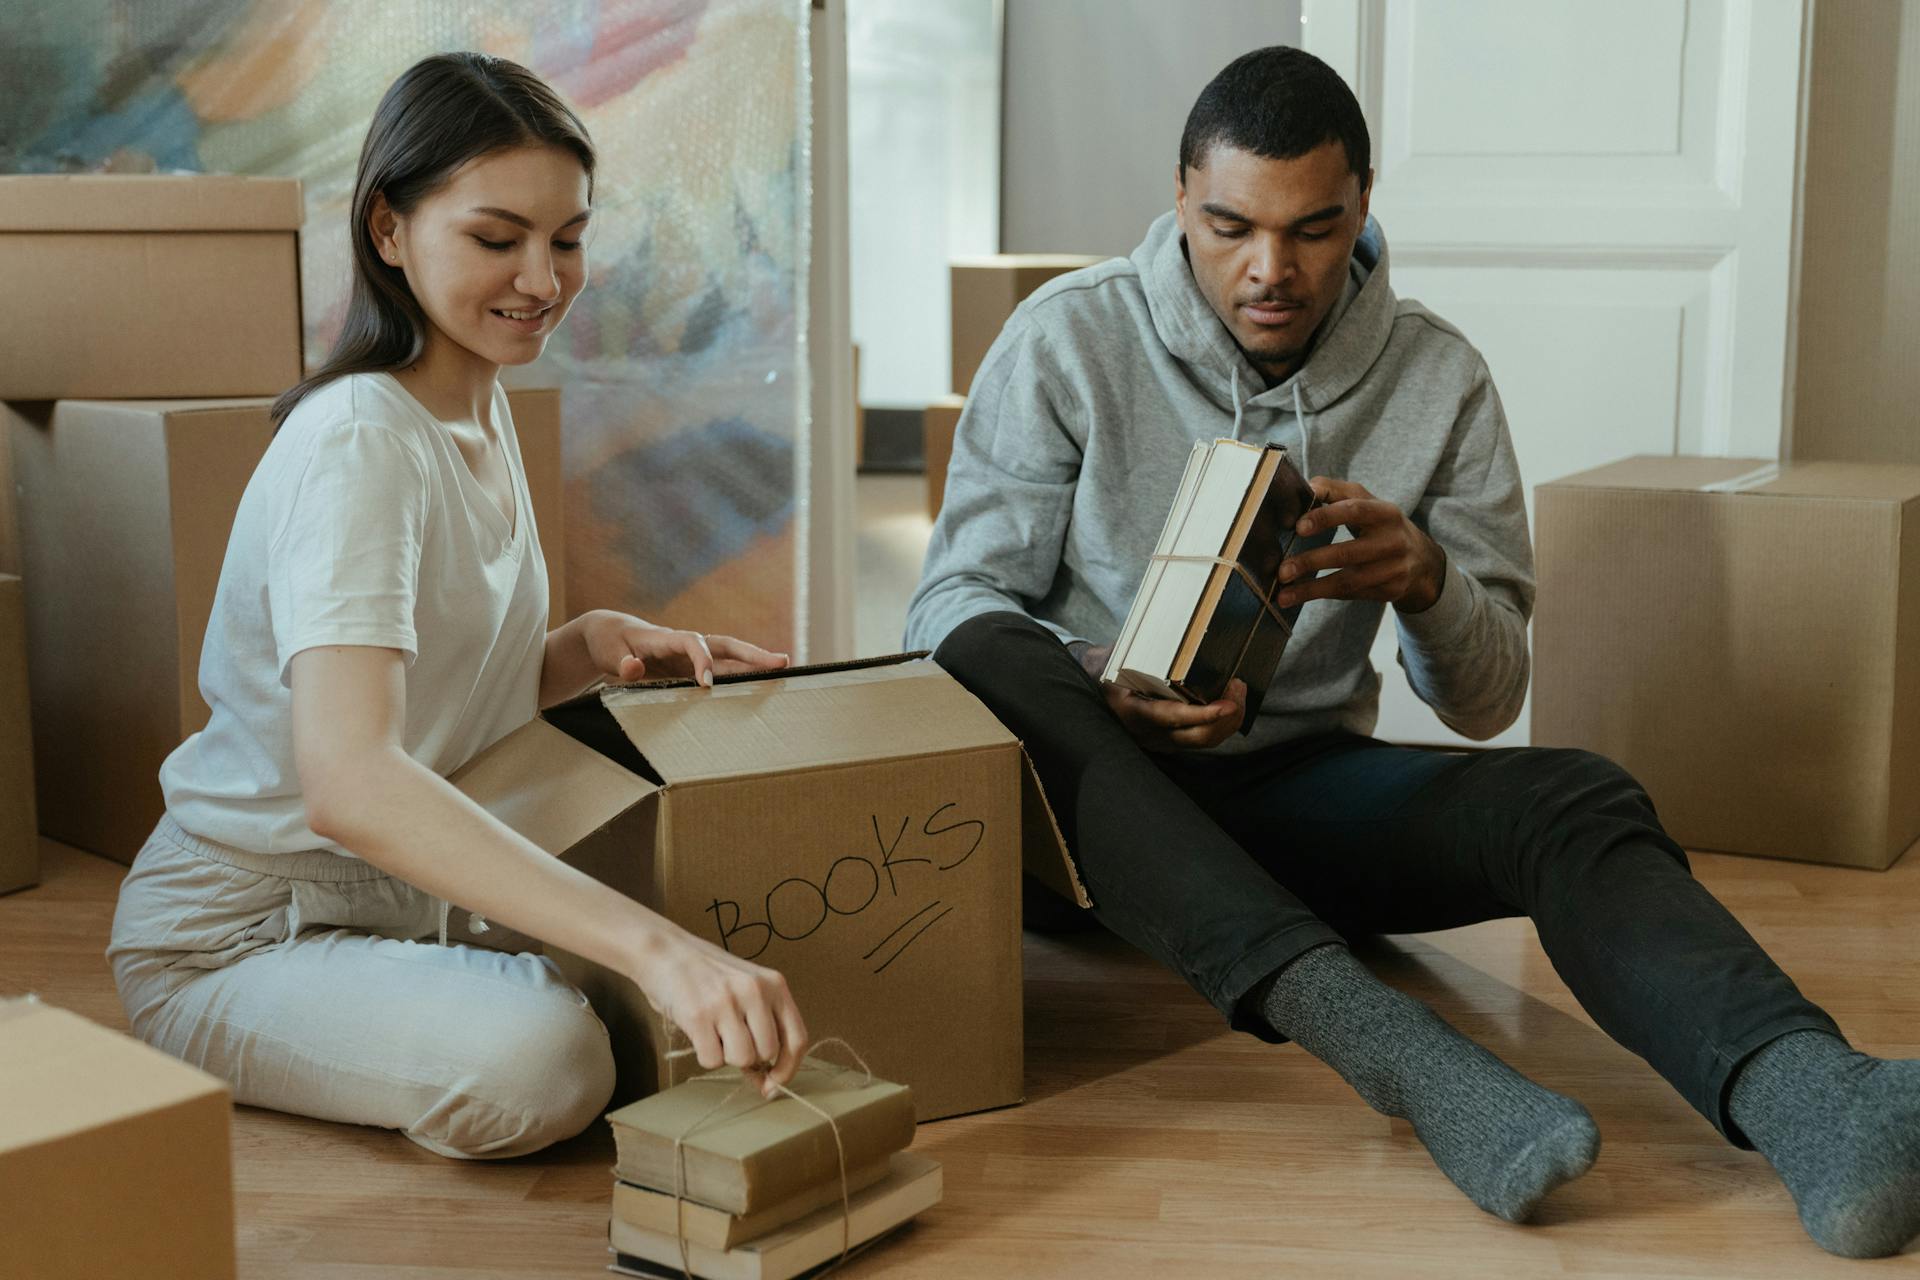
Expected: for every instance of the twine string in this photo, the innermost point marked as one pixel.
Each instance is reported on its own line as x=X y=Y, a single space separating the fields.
x=745 y=1081
x=1263 y=594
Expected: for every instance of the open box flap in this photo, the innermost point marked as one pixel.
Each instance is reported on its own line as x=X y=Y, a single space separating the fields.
x=807 y=718
x=1044 y=853
x=551 y=789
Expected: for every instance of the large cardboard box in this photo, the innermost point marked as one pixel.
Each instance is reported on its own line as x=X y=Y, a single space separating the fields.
x=985 y=290
x=936 y=442
x=125 y=510
x=1745 y=639
x=860 y=828
x=149 y=286
x=114 y=1157
x=9 y=517
x=19 y=834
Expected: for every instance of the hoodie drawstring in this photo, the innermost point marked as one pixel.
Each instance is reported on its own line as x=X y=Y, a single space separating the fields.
x=1299 y=416
x=1234 y=370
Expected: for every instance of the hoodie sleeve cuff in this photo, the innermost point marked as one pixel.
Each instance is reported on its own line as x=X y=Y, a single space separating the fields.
x=1449 y=617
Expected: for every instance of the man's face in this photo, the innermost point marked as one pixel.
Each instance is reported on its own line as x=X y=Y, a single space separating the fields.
x=1268 y=241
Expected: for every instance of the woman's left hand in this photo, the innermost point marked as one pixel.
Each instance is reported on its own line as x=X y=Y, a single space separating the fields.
x=624 y=648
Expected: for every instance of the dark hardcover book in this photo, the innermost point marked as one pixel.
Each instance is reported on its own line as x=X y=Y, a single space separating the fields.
x=1234 y=631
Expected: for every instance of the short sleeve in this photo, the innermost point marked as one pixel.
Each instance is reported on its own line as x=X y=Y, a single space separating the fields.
x=343 y=565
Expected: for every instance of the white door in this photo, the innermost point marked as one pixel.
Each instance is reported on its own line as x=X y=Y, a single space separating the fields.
x=1602 y=198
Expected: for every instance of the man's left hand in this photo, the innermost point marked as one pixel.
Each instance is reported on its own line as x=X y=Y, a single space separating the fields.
x=1388 y=558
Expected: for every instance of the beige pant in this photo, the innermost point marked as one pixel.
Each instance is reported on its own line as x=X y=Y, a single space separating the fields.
x=312 y=984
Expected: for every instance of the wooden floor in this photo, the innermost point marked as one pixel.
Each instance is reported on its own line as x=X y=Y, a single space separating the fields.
x=1153 y=1142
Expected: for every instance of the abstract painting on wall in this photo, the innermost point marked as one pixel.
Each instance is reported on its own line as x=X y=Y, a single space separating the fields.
x=683 y=363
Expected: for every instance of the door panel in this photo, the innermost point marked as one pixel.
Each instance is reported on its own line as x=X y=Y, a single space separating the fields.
x=1601 y=198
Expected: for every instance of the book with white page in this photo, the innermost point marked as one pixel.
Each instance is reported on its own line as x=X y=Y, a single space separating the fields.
x=1205 y=611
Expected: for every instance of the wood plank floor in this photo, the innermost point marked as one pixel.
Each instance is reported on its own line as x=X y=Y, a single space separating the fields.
x=1153 y=1141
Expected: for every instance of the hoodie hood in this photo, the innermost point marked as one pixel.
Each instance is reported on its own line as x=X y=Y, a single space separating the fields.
x=1345 y=347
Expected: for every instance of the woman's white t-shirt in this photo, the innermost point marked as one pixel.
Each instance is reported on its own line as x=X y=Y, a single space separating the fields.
x=362 y=525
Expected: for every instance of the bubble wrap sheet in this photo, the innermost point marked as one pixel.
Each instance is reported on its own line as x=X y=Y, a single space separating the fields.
x=683 y=363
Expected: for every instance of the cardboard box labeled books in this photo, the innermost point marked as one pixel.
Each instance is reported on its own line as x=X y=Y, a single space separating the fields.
x=19 y=835
x=125 y=510
x=861 y=828
x=985 y=290
x=1745 y=639
x=149 y=286
x=114 y=1157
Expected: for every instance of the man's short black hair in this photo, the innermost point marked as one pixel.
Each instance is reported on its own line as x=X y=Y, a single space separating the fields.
x=1280 y=103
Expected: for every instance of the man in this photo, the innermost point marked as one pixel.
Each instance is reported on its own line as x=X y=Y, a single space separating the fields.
x=1260 y=307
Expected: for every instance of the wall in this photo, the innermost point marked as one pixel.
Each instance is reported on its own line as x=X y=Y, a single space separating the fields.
x=1095 y=94
x=1857 y=381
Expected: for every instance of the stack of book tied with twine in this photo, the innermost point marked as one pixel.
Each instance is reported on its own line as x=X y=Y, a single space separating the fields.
x=1205 y=612
x=713 y=1180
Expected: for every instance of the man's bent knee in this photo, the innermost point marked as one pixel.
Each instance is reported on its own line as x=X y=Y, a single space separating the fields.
x=1574 y=786
x=980 y=642
x=978 y=649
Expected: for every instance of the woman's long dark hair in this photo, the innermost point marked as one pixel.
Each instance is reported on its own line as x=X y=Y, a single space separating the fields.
x=442 y=112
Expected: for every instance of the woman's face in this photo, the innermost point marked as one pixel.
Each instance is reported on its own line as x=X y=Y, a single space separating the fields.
x=495 y=256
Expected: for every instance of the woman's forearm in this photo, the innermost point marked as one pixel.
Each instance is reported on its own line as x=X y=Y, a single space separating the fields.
x=566 y=668
x=413 y=824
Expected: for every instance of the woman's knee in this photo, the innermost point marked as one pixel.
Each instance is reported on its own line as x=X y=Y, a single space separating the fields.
x=542 y=1080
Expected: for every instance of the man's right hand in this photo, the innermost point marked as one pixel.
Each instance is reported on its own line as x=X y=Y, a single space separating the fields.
x=1159 y=724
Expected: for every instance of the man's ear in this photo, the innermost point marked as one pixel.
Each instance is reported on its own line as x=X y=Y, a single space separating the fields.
x=1366 y=199
x=1180 y=194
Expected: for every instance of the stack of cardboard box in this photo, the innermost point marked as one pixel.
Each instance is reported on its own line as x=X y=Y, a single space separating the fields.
x=148 y=288
x=985 y=290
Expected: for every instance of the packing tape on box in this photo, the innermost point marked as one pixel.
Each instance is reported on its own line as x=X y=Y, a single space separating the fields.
x=1751 y=480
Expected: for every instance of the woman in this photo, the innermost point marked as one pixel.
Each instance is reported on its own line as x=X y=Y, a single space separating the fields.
x=380 y=619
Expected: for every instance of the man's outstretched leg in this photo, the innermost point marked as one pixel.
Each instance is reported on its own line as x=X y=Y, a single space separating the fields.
x=1163 y=875
x=1641 y=940
x=1397 y=840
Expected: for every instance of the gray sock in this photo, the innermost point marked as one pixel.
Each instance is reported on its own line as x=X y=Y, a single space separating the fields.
x=1501 y=1138
x=1843 y=1131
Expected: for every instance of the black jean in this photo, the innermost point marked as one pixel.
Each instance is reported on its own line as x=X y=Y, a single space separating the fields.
x=1225 y=868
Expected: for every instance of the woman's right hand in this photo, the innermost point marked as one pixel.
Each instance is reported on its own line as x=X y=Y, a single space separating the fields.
x=735 y=1013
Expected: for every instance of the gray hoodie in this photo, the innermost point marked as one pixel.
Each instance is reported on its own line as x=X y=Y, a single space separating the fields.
x=1077 y=429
